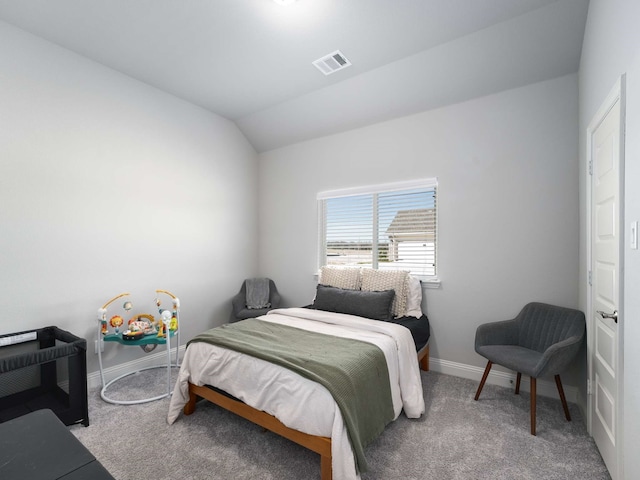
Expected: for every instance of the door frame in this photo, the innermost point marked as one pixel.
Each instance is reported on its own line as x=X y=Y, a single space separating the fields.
x=617 y=94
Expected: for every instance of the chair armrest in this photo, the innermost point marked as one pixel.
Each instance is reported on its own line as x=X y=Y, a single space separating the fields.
x=275 y=300
x=239 y=302
x=497 y=333
x=558 y=356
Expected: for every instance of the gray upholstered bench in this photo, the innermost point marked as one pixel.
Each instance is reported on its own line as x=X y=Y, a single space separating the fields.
x=38 y=446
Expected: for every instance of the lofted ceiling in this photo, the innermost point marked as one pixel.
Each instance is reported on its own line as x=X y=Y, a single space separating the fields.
x=250 y=60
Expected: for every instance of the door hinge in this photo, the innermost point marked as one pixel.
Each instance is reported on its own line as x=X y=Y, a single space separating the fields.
x=590 y=278
x=588 y=386
x=590 y=167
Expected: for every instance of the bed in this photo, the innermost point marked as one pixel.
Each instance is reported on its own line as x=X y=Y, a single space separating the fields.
x=299 y=408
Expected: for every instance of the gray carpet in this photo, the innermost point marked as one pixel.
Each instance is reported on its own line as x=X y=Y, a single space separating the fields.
x=457 y=438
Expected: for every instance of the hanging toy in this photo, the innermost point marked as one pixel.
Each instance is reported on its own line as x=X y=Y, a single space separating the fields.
x=161 y=329
x=103 y=327
x=116 y=322
x=164 y=323
x=165 y=316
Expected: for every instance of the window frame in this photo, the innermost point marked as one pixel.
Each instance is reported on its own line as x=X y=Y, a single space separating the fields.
x=429 y=281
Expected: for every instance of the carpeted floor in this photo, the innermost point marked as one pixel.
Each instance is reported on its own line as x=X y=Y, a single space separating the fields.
x=456 y=439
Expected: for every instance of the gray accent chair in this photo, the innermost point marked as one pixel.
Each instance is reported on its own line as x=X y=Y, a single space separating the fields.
x=541 y=341
x=239 y=302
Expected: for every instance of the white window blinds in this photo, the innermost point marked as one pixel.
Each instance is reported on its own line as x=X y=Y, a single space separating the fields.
x=391 y=226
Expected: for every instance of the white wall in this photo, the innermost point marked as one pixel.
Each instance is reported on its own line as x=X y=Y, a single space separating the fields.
x=108 y=185
x=507 y=166
x=611 y=48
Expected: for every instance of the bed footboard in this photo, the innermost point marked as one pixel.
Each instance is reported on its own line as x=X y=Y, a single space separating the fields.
x=320 y=445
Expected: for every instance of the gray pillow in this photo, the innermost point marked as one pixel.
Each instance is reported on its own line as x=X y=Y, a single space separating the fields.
x=373 y=305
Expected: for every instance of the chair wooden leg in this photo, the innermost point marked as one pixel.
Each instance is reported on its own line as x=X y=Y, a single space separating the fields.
x=484 y=379
x=562 y=398
x=533 y=406
x=518 y=378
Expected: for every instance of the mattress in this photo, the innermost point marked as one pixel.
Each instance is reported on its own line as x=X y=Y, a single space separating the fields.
x=419 y=328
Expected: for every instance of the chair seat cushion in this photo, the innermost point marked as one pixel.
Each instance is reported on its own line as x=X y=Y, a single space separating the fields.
x=519 y=359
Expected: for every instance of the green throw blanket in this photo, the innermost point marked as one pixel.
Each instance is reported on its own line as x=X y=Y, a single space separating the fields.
x=355 y=372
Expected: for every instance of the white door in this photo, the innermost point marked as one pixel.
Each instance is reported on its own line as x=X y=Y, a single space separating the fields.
x=605 y=344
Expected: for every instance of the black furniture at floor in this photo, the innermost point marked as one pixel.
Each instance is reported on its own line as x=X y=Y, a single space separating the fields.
x=44 y=368
x=38 y=446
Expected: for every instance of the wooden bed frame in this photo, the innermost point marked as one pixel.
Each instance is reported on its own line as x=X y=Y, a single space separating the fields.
x=320 y=445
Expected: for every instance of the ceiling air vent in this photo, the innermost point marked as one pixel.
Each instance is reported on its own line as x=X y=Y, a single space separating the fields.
x=332 y=63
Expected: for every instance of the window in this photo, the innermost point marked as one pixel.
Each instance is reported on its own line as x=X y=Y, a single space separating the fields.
x=392 y=226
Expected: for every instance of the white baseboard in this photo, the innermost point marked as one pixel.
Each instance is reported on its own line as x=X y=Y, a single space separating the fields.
x=150 y=360
x=496 y=377
x=503 y=379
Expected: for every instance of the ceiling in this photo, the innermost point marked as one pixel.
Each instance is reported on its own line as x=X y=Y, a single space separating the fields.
x=250 y=60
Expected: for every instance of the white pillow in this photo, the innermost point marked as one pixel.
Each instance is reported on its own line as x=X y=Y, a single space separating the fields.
x=340 y=277
x=379 y=280
x=414 y=298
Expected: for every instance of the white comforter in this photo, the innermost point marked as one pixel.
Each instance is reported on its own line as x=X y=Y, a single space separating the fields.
x=297 y=402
